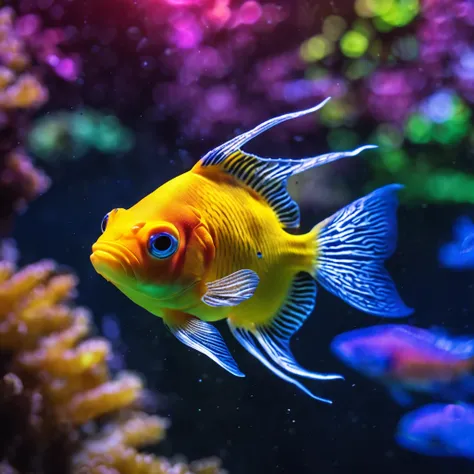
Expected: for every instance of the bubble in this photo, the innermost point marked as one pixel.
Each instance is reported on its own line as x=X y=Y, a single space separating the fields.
x=111 y=327
x=67 y=68
x=316 y=48
x=134 y=33
x=250 y=12
x=333 y=27
x=439 y=107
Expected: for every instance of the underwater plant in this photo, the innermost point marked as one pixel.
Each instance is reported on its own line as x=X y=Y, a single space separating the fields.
x=70 y=135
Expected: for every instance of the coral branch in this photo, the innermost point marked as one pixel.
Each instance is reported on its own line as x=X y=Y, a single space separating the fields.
x=54 y=380
x=25 y=50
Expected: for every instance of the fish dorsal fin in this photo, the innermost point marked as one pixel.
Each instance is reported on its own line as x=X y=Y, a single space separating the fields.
x=455 y=411
x=440 y=338
x=462 y=346
x=268 y=176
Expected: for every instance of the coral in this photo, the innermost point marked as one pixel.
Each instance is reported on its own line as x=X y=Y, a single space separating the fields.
x=405 y=71
x=25 y=50
x=55 y=382
x=20 y=183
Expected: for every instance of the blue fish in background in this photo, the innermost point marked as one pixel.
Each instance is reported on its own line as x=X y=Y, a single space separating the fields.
x=438 y=430
x=406 y=358
x=459 y=254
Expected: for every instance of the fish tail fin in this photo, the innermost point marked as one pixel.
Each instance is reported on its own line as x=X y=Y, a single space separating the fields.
x=351 y=247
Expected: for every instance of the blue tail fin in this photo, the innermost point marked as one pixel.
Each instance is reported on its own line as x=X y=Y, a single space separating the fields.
x=352 y=246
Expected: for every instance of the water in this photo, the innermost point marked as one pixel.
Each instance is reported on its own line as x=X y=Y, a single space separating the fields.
x=183 y=77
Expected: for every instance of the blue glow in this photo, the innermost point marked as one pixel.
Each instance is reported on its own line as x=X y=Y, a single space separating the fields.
x=459 y=253
x=439 y=107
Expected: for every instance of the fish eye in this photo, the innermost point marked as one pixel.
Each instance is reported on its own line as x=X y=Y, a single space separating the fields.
x=103 y=224
x=162 y=245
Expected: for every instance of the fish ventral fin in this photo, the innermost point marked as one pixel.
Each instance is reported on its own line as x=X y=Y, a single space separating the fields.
x=351 y=247
x=274 y=337
x=268 y=176
x=232 y=289
x=202 y=337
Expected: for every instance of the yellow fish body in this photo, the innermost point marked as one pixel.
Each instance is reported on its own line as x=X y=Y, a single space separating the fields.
x=212 y=244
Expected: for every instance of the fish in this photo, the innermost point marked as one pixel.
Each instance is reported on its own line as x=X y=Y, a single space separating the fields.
x=218 y=243
x=438 y=430
x=408 y=359
x=459 y=253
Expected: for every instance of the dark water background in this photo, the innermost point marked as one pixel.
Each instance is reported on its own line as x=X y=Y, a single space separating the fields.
x=258 y=424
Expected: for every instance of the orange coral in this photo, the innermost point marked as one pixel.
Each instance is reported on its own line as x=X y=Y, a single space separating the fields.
x=54 y=380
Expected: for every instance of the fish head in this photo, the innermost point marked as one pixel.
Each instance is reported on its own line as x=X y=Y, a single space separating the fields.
x=363 y=352
x=151 y=255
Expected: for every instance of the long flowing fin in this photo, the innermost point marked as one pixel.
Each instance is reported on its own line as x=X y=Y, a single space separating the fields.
x=351 y=247
x=269 y=176
x=274 y=337
x=245 y=339
x=202 y=337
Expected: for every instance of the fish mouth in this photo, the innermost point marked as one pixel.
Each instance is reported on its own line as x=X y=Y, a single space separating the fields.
x=113 y=261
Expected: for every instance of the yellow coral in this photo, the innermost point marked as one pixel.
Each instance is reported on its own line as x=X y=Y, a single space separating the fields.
x=12 y=50
x=25 y=93
x=6 y=77
x=17 y=89
x=47 y=340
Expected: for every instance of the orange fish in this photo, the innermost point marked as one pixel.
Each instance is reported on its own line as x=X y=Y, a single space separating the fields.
x=212 y=244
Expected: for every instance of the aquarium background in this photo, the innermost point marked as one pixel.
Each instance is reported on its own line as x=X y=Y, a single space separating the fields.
x=142 y=88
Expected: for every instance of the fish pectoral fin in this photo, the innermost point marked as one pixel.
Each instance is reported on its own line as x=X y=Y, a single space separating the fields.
x=274 y=336
x=232 y=289
x=202 y=337
x=245 y=339
x=266 y=176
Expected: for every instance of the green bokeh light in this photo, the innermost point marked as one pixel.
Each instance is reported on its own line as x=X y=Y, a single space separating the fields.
x=72 y=134
x=333 y=27
x=335 y=112
x=395 y=160
x=354 y=44
x=418 y=128
x=401 y=12
x=388 y=136
x=359 y=68
x=340 y=139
